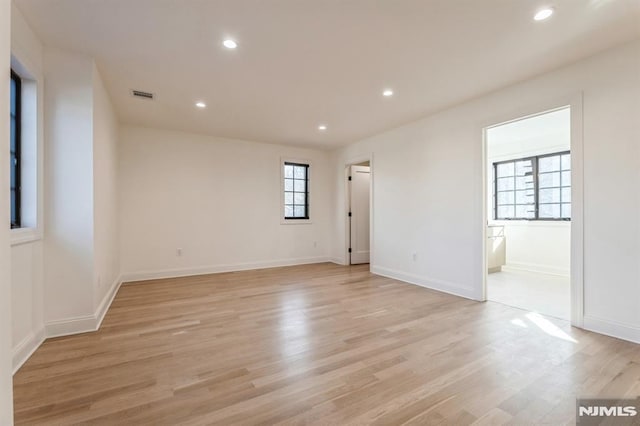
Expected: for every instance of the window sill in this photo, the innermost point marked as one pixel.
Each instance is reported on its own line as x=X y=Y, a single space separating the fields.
x=532 y=223
x=25 y=235
x=296 y=222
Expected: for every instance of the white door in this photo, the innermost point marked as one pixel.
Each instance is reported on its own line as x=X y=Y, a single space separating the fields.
x=359 y=208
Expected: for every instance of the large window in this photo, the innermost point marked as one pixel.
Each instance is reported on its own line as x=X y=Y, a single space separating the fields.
x=15 y=145
x=296 y=191
x=534 y=188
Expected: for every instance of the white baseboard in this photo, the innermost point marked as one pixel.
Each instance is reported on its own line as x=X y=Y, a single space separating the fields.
x=439 y=285
x=216 y=269
x=612 y=328
x=338 y=261
x=537 y=268
x=83 y=324
x=107 y=300
x=68 y=326
x=23 y=350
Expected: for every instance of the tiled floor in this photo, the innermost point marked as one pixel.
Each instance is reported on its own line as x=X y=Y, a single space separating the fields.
x=546 y=294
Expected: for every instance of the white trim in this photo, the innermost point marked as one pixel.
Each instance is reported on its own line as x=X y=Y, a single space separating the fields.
x=83 y=324
x=338 y=261
x=577 y=210
x=23 y=350
x=575 y=102
x=537 y=268
x=612 y=328
x=430 y=283
x=25 y=235
x=347 y=202
x=215 y=269
x=107 y=300
x=68 y=326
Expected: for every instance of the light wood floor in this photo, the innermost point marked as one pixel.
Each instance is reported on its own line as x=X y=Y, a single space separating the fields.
x=321 y=344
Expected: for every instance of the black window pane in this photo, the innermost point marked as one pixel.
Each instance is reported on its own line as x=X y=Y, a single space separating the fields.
x=506 y=197
x=14 y=145
x=549 y=164
x=299 y=185
x=300 y=172
x=288 y=184
x=14 y=217
x=549 y=180
x=506 y=169
x=525 y=211
x=524 y=168
x=12 y=137
x=506 y=184
x=14 y=92
x=300 y=198
x=506 y=212
x=524 y=182
x=524 y=197
x=551 y=195
x=549 y=211
x=299 y=211
x=288 y=171
x=12 y=173
x=296 y=185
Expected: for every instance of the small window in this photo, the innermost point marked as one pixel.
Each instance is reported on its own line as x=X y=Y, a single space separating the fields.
x=15 y=145
x=296 y=191
x=534 y=188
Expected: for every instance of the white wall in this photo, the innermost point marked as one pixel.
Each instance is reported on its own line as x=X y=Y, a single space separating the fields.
x=538 y=246
x=105 y=190
x=217 y=199
x=81 y=202
x=68 y=186
x=428 y=188
x=6 y=389
x=27 y=246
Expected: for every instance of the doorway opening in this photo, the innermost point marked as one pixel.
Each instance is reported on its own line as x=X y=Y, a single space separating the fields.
x=358 y=190
x=529 y=210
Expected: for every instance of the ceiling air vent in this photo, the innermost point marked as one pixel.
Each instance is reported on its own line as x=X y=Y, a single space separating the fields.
x=142 y=95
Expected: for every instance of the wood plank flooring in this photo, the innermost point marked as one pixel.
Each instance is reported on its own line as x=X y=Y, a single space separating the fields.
x=317 y=344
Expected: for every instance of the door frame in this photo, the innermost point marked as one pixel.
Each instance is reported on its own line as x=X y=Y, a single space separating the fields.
x=347 y=201
x=575 y=103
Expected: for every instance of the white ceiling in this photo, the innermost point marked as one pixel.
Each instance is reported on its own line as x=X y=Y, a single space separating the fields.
x=304 y=62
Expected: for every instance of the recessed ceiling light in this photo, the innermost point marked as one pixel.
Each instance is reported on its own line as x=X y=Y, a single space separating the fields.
x=322 y=127
x=201 y=105
x=543 y=14
x=387 y=93
x=229 y=44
